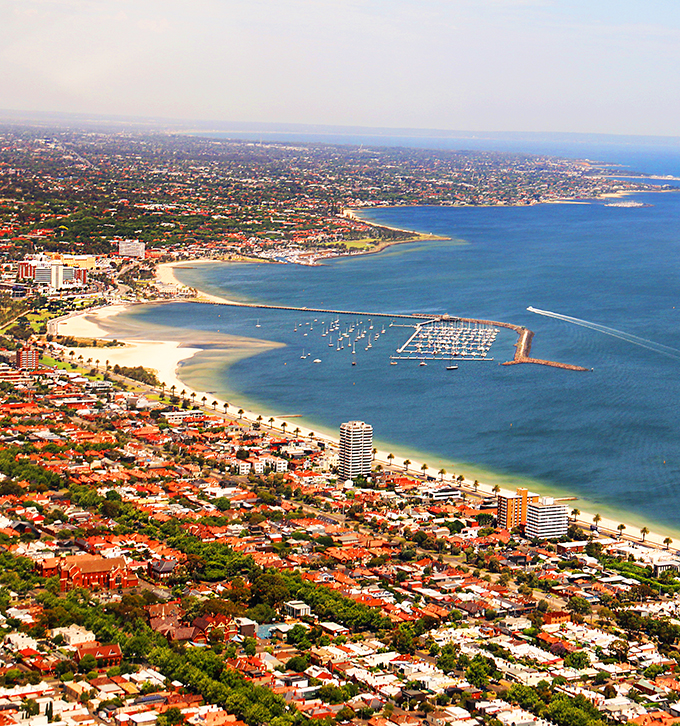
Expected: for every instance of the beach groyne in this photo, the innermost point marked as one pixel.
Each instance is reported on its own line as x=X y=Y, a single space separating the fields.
x=525 y=338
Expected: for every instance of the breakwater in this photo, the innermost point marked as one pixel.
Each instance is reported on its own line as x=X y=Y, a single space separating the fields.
x=523 y=346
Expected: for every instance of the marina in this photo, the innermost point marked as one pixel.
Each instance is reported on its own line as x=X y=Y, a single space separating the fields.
x=448 y=339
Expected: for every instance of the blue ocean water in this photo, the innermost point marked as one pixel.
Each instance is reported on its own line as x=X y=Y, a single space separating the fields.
x=611 y=436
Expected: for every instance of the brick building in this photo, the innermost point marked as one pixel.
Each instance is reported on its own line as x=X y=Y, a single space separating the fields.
x=89 y=571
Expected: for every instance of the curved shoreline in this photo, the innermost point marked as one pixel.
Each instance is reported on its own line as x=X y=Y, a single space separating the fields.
x=172 y=354
x=632 y=520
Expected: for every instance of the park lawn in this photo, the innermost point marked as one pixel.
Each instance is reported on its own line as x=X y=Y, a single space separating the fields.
x=363 y=243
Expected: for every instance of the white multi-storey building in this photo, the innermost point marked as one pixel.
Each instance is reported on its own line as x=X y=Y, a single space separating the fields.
x=546 y=519
x=356 y=449
x=131 y=248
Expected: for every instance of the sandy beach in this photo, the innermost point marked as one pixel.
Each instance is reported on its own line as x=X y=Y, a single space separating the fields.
x=165 y=274
x=162 y=356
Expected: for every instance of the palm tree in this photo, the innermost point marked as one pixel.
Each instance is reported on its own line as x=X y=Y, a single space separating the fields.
x=284 y=426
x=183 y=393
x=214 y=405
x=375 y=451
x=496 y=489
x=424 y=468
x=668 y=542
x=597 y=519
x=407 y=463
x=162 y=389
x=107 y=365
x=644 y=532
x=441 y=473
x=390 y=456
x=271 y=422
x=97 y=364
x=297 y=431
x=621 y=527
x=575 y=513
x=240 y=412
x=226 y=407
x=259 y=419
x=460 y=480
x=475 y=484
x=173 y=388
x=193 y=397
x=89 y=361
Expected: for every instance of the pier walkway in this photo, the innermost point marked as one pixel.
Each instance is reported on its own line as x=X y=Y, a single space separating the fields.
x=262 y=306
x=522 y=347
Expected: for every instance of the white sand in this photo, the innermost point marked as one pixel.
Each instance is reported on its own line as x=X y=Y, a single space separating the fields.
x=161 y=356
x=165 y=274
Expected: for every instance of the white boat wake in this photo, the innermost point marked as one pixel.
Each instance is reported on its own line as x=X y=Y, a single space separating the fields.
x=621 y=335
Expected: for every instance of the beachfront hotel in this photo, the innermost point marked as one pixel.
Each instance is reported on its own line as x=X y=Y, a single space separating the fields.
x=512 y=509
x=356 y=449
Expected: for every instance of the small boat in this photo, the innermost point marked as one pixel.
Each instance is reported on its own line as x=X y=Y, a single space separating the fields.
x=304 y=355
x=393 y=362
x=317 y=360
x=354 y=362
x=257 y=325
x=451 y=368
x=422 y=363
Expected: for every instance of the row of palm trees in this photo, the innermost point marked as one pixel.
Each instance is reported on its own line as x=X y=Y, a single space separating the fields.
x=297 y=431
x=442 y=473
x=644 y=531
x=204 y=400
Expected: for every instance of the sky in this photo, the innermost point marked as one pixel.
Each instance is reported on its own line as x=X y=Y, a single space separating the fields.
x=595 y=66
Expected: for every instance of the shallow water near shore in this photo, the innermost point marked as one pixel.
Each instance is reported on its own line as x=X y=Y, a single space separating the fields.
x=611 y=436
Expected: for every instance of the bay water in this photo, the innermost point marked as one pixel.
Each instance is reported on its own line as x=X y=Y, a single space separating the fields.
x=610 y=436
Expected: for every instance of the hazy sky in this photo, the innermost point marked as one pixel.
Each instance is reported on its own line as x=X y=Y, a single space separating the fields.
x=609 y=66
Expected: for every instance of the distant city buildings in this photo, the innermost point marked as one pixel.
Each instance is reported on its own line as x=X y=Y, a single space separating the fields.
x=546 y=519
x=131 y=248
x=512 y=510
x=356 y=449
x=54 y=273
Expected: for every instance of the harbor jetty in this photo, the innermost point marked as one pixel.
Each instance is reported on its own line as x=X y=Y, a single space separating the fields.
x=522 y=347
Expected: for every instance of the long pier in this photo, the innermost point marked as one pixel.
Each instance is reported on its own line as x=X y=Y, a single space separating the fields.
x=522 y=347
x=262 y=306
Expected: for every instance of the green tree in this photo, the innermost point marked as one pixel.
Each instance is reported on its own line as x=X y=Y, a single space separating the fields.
x=579 y=605
x=87 y=663
x=579 y=660
x=172 y=717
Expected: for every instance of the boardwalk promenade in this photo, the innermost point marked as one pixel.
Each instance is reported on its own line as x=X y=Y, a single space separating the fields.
x=522 y=347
